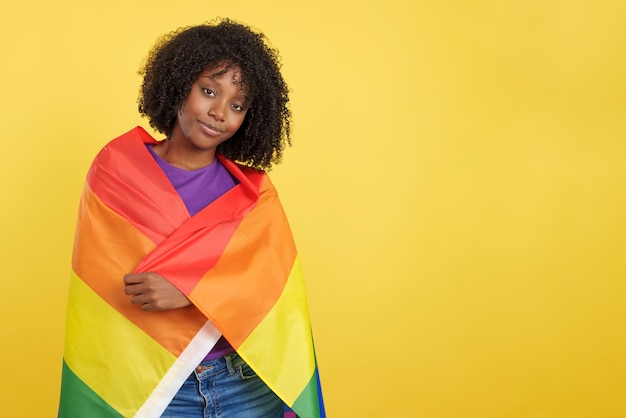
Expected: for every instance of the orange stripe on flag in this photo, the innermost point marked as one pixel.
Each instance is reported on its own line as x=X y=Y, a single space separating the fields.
x=248 y=279
x=107 y=248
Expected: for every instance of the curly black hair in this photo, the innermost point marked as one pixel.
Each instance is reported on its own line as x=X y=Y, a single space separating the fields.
x=178 y=58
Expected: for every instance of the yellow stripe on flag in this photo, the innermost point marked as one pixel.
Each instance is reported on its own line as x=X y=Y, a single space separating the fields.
x=280 y=363
x=108 y=352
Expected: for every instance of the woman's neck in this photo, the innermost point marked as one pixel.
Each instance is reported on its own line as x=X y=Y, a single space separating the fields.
x=185 y=157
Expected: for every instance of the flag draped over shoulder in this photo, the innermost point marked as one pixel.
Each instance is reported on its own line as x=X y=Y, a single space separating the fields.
x=236 y=262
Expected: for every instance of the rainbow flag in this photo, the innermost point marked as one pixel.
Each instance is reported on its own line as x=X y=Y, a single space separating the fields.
x=235 y=260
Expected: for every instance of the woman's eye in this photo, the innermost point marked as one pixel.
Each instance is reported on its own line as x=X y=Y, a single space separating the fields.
x=208 y=91
x=237 y=107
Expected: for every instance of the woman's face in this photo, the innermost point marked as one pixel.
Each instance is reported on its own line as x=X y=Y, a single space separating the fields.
x=213 y=111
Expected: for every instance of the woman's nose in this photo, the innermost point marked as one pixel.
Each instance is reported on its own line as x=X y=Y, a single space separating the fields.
x=217 y=111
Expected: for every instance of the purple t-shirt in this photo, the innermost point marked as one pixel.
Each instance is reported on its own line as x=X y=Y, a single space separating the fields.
x=198 y=188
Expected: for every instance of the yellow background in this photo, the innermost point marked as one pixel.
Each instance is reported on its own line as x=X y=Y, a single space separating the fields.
x=456 y=189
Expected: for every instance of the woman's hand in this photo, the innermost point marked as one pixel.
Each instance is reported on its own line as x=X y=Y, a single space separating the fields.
x=153 y=292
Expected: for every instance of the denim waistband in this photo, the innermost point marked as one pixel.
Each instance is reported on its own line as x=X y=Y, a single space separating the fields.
x=218 y=364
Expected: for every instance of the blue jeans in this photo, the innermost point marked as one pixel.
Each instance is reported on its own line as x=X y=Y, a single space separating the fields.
x=224 y=388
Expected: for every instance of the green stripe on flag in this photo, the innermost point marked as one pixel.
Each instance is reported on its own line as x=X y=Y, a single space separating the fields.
x=79 y=401
x=307 y=405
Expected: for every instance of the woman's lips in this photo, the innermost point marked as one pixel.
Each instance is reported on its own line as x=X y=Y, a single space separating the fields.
x=210 y=129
